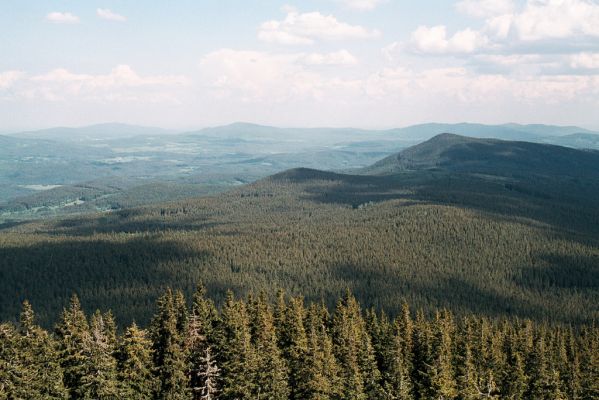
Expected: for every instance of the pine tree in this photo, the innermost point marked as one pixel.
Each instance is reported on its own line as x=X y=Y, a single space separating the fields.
x=353 y=348
x=589 y=363
x=168 y=348
x=516 y=381
x=236 y=356
x=423 y=355
x=73 y=337
x=199 y=343
x=10 y=371
x=208 y=374
x=544 y=378
x=100 y=380
x=134 y=365
x=399 y=381
x=271 y=370
x=323 y=381
x=41 y=376
x=293 y=334
x=441 y=371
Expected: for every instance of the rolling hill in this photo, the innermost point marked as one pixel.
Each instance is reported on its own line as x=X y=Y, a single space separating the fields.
x=505 y=158
x=450 y=228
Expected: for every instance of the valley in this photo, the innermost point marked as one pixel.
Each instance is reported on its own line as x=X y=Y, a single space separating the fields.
x=488 y=231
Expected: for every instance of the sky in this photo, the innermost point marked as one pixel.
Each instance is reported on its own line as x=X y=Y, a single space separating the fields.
x=362 y=63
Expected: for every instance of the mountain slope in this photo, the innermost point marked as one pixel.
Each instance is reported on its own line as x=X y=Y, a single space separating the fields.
x=91 y=132
x=505 y=158
x=522 y=245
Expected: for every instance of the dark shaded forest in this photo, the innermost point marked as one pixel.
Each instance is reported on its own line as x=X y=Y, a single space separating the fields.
x=455 y=234
x=435 y=240
x=288 y=349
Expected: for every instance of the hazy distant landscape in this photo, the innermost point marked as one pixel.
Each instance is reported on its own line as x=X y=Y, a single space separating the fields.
x=107 y=167
x=285 y=200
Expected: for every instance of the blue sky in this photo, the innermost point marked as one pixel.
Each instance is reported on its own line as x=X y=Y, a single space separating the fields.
x=362 y=63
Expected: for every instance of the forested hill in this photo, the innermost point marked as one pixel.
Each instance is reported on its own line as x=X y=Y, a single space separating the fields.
x=461 y=231
x=498 y=157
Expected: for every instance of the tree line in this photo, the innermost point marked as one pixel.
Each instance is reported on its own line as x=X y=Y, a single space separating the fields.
x=253 y=348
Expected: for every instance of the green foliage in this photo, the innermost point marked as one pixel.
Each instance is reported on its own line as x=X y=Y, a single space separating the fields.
x=134 y=357
x=246 y=350
x=167 y=331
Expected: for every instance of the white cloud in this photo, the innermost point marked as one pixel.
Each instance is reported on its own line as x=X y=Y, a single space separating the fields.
x=362 y=4
x=341 y=57
x=120 y=76
x=549 y=19
x=464 y=86
x=122 y=83
x=9 y=78
x=305 y=28
x=284 y=80
x=253 y=76
x=485 y=8
x=107 y=14
x=434 y=40
x=585 y=61
x=62 y=18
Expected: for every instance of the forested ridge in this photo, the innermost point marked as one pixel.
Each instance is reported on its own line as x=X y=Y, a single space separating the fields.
x=288 y=349
x=473 y=240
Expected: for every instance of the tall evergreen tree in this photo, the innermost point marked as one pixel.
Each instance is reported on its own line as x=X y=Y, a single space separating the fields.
x=41 y=376
x=100 y=380
x=353 y=348
x=73 y=341
x=9 y=369
x=399 y=375
x=271 y=369
x=441 y=371
x=293 y=335
x=168 y=348
x=200 y=341
x=134 y=365
x=236 y=355
x=323 y=381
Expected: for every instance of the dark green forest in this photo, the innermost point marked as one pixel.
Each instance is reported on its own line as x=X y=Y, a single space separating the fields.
x=288 y=349
x=456 y=234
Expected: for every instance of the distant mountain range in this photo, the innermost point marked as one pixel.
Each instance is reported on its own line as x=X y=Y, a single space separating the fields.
x=485 y=226
x=463 y=154
x=98 y=131
x=568 y=135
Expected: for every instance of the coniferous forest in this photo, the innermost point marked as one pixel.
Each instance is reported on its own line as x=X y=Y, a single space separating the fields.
x=287 y=349
x=477 y=281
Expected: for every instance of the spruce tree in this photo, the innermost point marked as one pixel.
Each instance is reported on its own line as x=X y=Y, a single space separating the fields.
x=74 y=337
x=271 y=370
x=399 y=376
x=208 y=375
x=9 y=370
x=516 y=381
x=441 y=371
x=168 y=348
x=41 y=376
x=134 y=364
x=236 y=356
x=199 y=342
x=353 y=348
x=293 y=334
x=100 y=379
x=323 y=381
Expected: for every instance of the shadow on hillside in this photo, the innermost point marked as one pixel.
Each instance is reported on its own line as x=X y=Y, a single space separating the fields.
x=11 y=224
x=515 y=157
x=126 y=275
x=580 y=272
x=375 y=289
x=567 y=206
x=125 y=221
